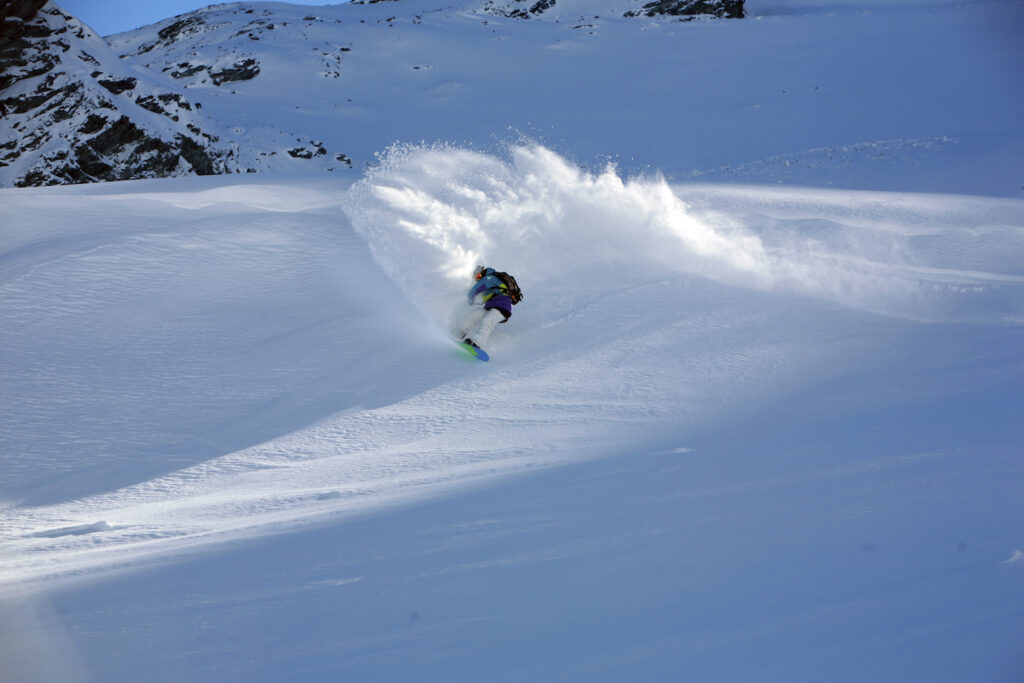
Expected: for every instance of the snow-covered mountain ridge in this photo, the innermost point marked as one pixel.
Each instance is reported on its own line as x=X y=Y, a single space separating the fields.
x=296 y=89
x=78 y=114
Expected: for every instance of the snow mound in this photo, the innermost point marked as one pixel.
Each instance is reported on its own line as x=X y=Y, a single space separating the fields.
x=76 y=530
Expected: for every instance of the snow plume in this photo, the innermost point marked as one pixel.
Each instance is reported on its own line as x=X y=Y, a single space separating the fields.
x=431 y=213
x=918 y=256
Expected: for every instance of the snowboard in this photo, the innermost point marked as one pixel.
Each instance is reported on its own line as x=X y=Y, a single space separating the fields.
x=474 y=351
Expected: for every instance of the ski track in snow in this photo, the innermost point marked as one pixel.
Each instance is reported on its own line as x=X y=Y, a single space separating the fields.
x=346 y=396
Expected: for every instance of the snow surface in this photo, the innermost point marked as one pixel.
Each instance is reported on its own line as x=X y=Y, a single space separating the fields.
x=735 y=431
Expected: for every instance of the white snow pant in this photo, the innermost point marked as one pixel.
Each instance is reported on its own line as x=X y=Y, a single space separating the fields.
x=479 y=324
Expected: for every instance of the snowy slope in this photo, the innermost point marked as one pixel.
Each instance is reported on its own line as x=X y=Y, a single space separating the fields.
x=735 y=431
x=208 y=362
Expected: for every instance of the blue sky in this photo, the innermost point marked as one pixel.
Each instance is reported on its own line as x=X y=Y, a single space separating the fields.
x=114 y=16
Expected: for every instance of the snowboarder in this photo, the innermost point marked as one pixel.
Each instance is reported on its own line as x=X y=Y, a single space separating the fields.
x=498 y=292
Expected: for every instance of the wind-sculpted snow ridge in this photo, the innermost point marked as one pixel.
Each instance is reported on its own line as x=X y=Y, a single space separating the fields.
x=431 y=213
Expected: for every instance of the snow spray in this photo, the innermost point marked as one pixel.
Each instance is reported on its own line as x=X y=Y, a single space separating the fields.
x=431 y=213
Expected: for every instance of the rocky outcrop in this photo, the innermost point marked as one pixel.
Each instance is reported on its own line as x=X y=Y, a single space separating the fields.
x=243 y=70
x=188 y=25
x=684 y=9
x=518 y=9
x=690 y=9
x=192 y=27
x=17 y=34
x=76 y=114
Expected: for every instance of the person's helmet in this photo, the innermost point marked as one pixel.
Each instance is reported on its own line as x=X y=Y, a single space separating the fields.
x=479 y=272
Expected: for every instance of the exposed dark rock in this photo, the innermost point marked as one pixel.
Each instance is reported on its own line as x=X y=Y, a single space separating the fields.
x=35 y=178
x=118 y=86
x=180 y=28
x=32 y=142
x=71 y=76
x=525 y=12
x=89 y=166
x=186 y=70
x=21 y=9
x=196 y=156
x=26 y=103
x=177 y=99
x=15 y=35
x=175 y=31
x=151 y=103
x=723 y=9
x=315 y=149
x=93 y=124
x=241 y=71
x=63 y=111
x=114 y=139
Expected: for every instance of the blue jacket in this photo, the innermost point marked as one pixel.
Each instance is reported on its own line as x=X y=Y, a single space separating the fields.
x=488 y=286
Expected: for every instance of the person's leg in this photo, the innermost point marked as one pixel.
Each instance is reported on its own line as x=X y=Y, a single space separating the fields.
x=483 y=331
x=470 y=322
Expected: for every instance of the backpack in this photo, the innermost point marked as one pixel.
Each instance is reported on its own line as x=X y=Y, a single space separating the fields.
x=510 y=283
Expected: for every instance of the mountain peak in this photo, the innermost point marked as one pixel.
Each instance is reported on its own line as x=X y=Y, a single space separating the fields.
x=77 y=114
x=283 y=84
